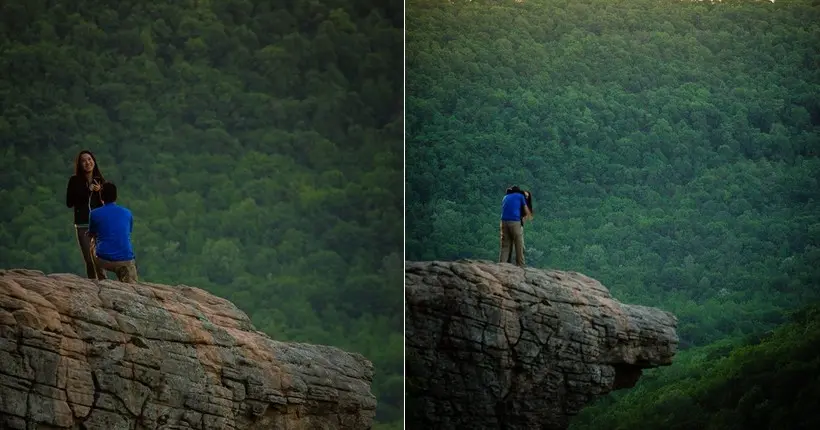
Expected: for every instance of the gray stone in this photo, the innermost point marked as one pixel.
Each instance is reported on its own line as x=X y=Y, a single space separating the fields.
x=492 y=346
x=104 y=355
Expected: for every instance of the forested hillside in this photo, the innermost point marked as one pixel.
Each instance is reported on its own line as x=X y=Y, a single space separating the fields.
x=767 y=382
x=671 y=147
x=258 y=145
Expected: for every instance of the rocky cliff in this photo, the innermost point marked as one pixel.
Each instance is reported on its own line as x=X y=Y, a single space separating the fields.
x=494 y=346
x=87 y=355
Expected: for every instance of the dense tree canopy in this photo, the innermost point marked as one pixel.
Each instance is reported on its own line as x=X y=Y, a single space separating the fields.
x=765 y=382
x=671 y=147
x=258 y=144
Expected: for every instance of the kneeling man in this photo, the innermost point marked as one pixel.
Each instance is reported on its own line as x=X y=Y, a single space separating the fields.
x=111 y=226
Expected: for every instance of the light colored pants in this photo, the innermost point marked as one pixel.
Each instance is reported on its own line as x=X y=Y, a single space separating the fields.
x=512 y=235
x=126 y=270
x=87 y=246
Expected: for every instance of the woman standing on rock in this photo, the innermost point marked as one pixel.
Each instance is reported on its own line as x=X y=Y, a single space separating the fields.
x=83 y=194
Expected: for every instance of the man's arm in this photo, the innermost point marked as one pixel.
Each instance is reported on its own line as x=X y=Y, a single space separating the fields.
x=91 y=224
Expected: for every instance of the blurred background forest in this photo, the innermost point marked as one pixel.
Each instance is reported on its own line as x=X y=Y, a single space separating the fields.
x=259 y=145
x=672 y=151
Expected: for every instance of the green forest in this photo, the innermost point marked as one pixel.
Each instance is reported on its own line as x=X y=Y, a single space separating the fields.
x=766 y=381
x=259 y=145
x=673 y=153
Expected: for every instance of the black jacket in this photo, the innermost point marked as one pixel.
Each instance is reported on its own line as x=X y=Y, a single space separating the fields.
x=77 y=196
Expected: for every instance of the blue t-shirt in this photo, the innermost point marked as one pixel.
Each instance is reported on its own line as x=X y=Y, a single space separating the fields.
x=511 y=207
x=113 y=225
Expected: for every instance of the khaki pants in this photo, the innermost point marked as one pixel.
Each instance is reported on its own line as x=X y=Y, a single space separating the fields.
x=512 y=235
x=126 y=270
x=87 y=246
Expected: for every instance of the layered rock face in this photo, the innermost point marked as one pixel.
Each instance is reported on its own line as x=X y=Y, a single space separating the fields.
x=494 y=346
x=82 y=354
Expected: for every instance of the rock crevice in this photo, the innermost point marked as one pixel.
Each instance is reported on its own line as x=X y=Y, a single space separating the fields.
x=82 y=354
x=494 y=346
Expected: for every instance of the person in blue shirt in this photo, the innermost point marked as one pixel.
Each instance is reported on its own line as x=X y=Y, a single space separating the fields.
x=514 y=210
x=111 y=226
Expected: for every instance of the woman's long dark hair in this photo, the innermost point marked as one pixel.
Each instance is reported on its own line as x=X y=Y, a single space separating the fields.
x=78 y=170
x=528 y=197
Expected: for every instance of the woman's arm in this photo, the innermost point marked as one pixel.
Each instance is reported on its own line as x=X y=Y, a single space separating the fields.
x=69 y=193
x=526 y=208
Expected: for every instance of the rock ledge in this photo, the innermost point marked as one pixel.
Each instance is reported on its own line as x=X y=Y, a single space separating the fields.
x=82 y=354
x=494 y=346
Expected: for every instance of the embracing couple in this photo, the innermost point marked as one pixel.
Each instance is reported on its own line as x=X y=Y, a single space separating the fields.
x=516 y=207
x=103 y=228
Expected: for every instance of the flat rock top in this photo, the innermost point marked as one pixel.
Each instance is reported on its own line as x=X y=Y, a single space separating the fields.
x=77 y=353
x=493 y=345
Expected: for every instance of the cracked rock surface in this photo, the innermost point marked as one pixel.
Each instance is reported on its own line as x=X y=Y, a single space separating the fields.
x=87 y=355
x=494 y=346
